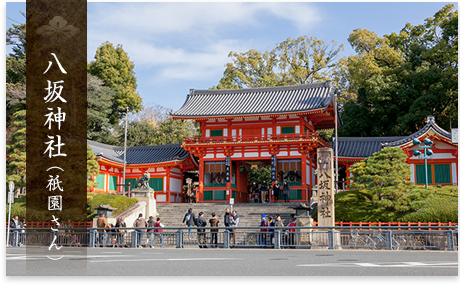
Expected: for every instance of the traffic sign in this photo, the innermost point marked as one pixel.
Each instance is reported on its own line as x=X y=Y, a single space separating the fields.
x=11 y=197
x=11 y=186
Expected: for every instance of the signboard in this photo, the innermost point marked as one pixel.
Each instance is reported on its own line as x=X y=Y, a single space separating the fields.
x=455 y=136
x=326 y=210
x=232 y=201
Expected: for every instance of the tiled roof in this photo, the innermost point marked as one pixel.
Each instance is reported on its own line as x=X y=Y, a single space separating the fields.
x=257 y=101
x=431 y=124
x=361 y=147
x=140 y=154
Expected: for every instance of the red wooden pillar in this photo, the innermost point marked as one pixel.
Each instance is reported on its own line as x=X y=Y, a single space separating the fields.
x=304 y=187
x=168 y=183
x=199 y=193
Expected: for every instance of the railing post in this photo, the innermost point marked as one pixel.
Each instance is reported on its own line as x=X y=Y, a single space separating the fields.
x=134 y=239
x=389 y=240
x=92 y=238
x=450 y=240
x=226 y=239
x=277 y=239
x=179 y=242
x=16 y=238
x=330 y=237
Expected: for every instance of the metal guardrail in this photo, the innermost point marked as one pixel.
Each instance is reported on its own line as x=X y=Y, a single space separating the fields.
x=353 y=238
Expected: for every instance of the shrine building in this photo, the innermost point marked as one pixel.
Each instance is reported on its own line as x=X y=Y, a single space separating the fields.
x=248 y=128
x=243 y=129
x=442 y=167
x=166 y=165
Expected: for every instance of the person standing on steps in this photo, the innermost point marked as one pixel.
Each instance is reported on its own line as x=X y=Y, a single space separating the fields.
x=263 y=191
x=286 y=191
x=189 y=219
x=276 y=191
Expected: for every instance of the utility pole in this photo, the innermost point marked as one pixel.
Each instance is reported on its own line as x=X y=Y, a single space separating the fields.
x=336 y=145
x=124 y=160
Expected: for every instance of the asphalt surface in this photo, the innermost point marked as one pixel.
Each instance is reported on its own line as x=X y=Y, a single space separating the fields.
x=227 y=262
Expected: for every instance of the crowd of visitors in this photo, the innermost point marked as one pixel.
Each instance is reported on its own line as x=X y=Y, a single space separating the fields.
x=259 y=192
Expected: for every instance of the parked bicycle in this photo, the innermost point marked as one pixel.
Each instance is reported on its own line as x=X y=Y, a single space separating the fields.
x=397 y=243
x=361 y=241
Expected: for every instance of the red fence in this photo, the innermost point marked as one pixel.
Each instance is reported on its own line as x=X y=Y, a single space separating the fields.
x=376 y=224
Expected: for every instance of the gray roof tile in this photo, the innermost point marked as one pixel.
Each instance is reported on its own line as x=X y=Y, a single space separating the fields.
x=140 y=154
x=257 y=101
x=361 y=147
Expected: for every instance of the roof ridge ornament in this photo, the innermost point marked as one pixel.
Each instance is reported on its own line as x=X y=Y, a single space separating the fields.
x=430 y=119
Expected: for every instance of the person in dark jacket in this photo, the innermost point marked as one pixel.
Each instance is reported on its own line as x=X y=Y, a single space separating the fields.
x=189 y=219
x=276 y=191
x=227 y=217
x=263 y=191
x=286 y=191
x=214 y=223
x=121 y=232
x=271 y=223
x=263 y=235
x=150 y=235
x=201 y=223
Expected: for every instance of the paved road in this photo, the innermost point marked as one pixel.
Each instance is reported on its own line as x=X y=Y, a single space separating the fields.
x=225 y=262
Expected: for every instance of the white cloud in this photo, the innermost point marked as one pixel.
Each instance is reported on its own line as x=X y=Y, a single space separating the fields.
x=189 y=41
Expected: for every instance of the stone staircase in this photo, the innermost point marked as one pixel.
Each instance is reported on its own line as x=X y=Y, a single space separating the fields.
x=249 y=213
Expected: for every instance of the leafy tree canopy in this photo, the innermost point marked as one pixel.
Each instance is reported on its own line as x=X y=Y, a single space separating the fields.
x=292 y=62
x=386 y=177
x=92 y=167
x=402 y=78
x=16 y=151
x=113 y=67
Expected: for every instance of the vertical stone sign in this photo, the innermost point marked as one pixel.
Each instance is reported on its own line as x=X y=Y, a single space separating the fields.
x=325 y=170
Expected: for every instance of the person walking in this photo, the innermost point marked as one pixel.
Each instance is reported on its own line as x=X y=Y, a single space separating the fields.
x=263 y=191
x=120 y=232
x=102 y=225
x=271 y=223
x=291 y=234
x=286 y=191
x=201 y=223
x=276 y=191
x=15 y=226
x=150 y=235
x=263 y=234
x=141 y=224
x=255 y=192
x=189 y=219
x=158 y=233
x=234 y=220
x=214 y=223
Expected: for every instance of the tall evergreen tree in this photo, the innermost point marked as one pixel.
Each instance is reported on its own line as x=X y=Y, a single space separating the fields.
x=113 y=67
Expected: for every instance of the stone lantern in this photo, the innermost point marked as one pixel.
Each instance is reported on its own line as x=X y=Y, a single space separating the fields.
x=303 y=219
x=105 y=209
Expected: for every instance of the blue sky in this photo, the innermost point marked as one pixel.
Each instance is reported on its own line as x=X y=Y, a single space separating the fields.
x=181 y=46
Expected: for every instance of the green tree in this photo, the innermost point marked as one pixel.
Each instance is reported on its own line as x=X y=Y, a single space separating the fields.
x=153 y=126
x=15 y=74
x=384 y=177
x=260 y=174
x=99 y=107
x=402 y=78
x=292 y=62
x=16 y=151
x=92 y=167
x=113 y=67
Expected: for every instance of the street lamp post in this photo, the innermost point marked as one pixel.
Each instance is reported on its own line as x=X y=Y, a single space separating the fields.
x=426 y=154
